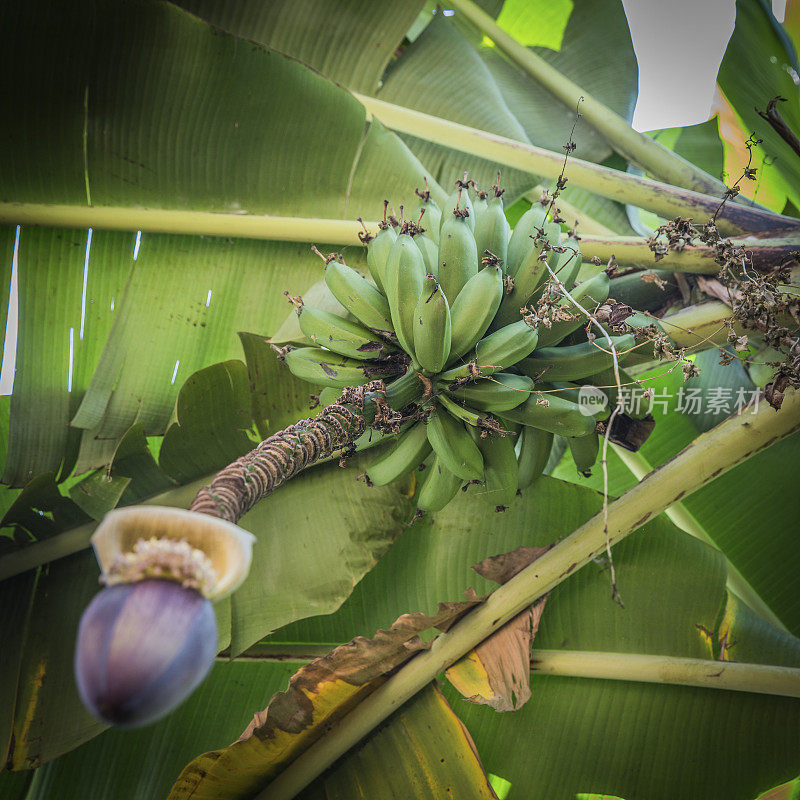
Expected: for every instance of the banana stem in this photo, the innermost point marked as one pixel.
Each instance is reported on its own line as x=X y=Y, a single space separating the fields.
x=711 y=454
x=636 y=147
x=201 y=223
x=597 y=241
x=681 y=516
x=733 y=676
x=573 y=215
x=632 y=251
x=678 y=671
x=662 y=198
x=254 y=476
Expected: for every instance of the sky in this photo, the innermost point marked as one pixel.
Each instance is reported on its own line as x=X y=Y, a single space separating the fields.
x=677 y=43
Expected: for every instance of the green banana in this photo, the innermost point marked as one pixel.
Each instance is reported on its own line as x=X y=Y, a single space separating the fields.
x=575 y=361
x=454 y=446
x=406 y=389
x=430 y=253
x=358 y=296
x=439 y=487
x=378 y=251
x=459 y=200
x=534 y=451
x=409 y=451
x=584 y=451
x=500 y=470
x=467 y=415
x=589 y=294
x=557 y=416
x=325 y=368
x=458 y=255
x=492 y=230
x=432 y=327
x=568 y=264
x=431 y=215
x=403 y=278
x=474 y=309
x=479 y=206
x=531 y=273
x=340 y=335
x=520 y=243
x=501 y=392
x=495 y=352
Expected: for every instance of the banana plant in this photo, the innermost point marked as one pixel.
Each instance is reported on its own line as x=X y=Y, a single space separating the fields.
x=173 y=164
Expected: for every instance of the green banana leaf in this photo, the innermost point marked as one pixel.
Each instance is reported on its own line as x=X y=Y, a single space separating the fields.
x=749 y=512
x=761 y=63
x=125 y=338
x=134 y=317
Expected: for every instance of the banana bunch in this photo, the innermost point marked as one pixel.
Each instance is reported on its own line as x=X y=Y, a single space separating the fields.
x=460 y=318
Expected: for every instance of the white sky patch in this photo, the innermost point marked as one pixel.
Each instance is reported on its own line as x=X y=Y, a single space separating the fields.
x=137 y=244
x=175 y=372
x=71 y=351
x=10 y=342
x=85 y=280
x=779 y=9
x=679 y=46
x=448 y=12
x=208 y=298
x=112 y=303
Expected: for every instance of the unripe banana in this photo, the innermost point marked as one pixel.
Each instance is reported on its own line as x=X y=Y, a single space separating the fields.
x=492 y=231
x=403 y=279
x=576 y=361
x=520 y=243
x=378 y=252
x=479 y=206
x=531 y=273
x=358 y=296
x=568 y=264
x=324 y=368
x=501 y=392
x=589 y=294
x=552 y=413
x=340 y=335
x=409 y=451
x=459 y=200
x=458 y=255
x=584 y=451
x=534 y=451
x=406 y=389
x=495 y=352
x=474 y=309
x=432 y=327
x=500 y=471
x=439 y=487
x=430 y=253
x=431 y=220
x=454 y=446
x=469 y=416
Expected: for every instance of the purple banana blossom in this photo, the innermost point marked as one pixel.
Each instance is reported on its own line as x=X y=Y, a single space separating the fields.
x=142 y=649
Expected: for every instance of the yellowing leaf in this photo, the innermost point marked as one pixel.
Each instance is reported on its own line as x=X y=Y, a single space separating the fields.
x=423 y=752
x=319 y=694
x=497 y=671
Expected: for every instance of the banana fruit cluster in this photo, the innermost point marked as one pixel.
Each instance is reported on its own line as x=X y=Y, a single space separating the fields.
x=451 y=319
